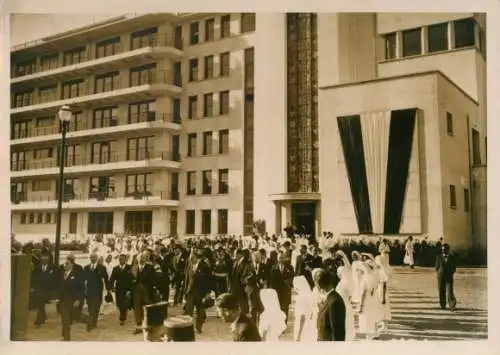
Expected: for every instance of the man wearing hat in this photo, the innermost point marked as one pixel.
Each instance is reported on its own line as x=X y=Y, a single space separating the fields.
x=43 y=280
x=242 y=327
x=96 y=278
x=121 y=282
x=145 y=285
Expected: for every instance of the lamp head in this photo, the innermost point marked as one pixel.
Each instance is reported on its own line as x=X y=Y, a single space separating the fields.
x=65 y=113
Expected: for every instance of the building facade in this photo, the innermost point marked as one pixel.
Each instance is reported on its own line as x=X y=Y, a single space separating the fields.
x=197 y=123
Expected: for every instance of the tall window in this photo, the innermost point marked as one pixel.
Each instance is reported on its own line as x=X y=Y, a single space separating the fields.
x=18 y=161
x=105 y=117
x=108 y=47
x=107 y=82
x=48 y=218
x=144 y=38
x=178 y=74
x=20 y=129
x=100 y=187
x=224 y=102
x=194 y=33
x=207 y=182
x=453 y=197
x=73 y=155
x=224 y=141
x=191 y=183
x=48 y=93
x=247 y=22
x=138 y=222
x=465 y=33
x=73 y=222
x=412 y=42
x=103 y=152
x=73 y=88
x=74 y=56
x=26 y=68
x=476 y=149
x=191 y=148
x=209 y=30
x=466 y=200
x=175 y=185
x=225 y=26
x=222 y=221
x=141 y=148
x=193 y=69
x=207 y=143
x=206 y=221
x=176 y=110
x=176 y=147
x=224 y=64
x=449 y=123
x=25 y=98
x=77 y=122
x=100 y=222
x=390 y=46
x=193 y=107
x=145 y=74
x=208 y=105
x=70 y=188
x=18 y=191
x=50 y=61
x=139 y=184
x=190 y=221
x=142 y=112
x=437 y=37
x=209 y=67
x=223 y=181
x=39 y=218
x=179 y=42
x=43 y=153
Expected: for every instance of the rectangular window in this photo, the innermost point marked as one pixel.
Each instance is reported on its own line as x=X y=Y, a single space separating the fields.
x=73 y=221
x=31 y=218
x=143 y=75
x=208 y=105
x=100 y=187
x=247 y=22
x=108 y=47
x=107 y=82
x=194 y=33
x=207 y=143
x=191 y=183
x=23 y=218
x=139 y=184
x=75 y=56
x=449 y=123
x=41 y=185
x=47 y=93
x=209 y=30
x=437 y=36
x=390 y=46
x=225 y=26
x=193 y=107
x=73 y=155
x=453 y=197
x=179 y=43
x=26 y=68
x=224 y=102
x=105 y=117
x=178 y=74
x=223 y=181
x=18 y=161
x=476 y=149
x=50 y=61
x=222 y=221
x=103 y=152
x=25 y=98
x=206 y=221
x=207 y=182
x=69 y=188
x=190 y=221
x=412 y=42
x=138 y=222
x=224 y=141
x=193 y=69
x=144 y=111
x=74 y=88
x=191 y=148
x=20 y=129
x=18 y=192
x=48 y=218
x=209 y=67
x=465 y=33
x=144 y=38
x=43 y=153
x=224 y=64
x=141 y=148
x=77 y=122
x=39 y=218
x=175 y=186
x=100 y=223
x=466 y=200
x=176 y=110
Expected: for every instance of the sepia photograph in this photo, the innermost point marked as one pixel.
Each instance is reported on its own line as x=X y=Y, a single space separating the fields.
x=248 y=177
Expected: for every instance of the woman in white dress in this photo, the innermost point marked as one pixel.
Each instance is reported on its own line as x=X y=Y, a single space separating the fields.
x=369 y=307
x=272 y=319
x=384 y=250
x=345 y=289
x=357 y=273
x=305 y=323
x=409 y=249
x=385 y=272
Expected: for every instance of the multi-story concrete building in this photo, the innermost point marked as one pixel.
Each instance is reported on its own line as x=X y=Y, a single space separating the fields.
x=169 y=137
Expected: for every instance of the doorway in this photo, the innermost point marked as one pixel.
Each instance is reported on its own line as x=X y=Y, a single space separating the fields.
x=304 y=218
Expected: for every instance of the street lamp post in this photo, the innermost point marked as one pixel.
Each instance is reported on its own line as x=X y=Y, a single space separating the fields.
x=65 y=115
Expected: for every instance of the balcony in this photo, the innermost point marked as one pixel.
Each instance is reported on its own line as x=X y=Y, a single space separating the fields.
x=112 y=127
x=148 y=85
x=112 y=162
x=151 y=48
x=96 y=200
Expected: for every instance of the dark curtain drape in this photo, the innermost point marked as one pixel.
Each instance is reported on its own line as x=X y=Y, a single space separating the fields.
x=401 y=131
x=352 y=145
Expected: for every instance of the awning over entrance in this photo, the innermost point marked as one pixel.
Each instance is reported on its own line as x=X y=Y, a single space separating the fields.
x=295 y=196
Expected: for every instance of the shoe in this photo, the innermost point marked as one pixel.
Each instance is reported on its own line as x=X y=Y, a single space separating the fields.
x=122 y=322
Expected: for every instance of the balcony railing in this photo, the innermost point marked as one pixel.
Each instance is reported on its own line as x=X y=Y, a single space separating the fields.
x=99 y=196
x=156 y=40
x=75 y=160
x=100 y=123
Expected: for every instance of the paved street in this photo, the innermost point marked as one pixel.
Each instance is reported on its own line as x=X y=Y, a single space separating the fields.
x=415 y=313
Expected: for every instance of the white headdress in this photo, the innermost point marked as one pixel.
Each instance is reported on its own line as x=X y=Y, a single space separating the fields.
x=272 y=314
x=344 y=257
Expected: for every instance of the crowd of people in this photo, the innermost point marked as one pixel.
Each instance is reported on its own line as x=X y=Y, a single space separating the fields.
x=251 y=280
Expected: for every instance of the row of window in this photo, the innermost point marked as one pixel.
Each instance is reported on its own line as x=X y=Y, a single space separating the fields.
x=206 y=221
x=453 y=198
x=206 y=182
x=247 y=25
x=209 y=67
x=207 y=144
x=208 y=105
x=475 y=142
x=412 y=41
x=37 y=218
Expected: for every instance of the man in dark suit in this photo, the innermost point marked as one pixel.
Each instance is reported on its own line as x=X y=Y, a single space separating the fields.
x=121 y=282
x=96 y=279
x=165 y=262
x=242 y=327
x=241 y=274
x=43 y=279
x=446 y=267
x=69 y=295
x=197 y=287
x=178 y=269
x=281 y=279
x=332 y=311
x=302 y=267
x=145 y=286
